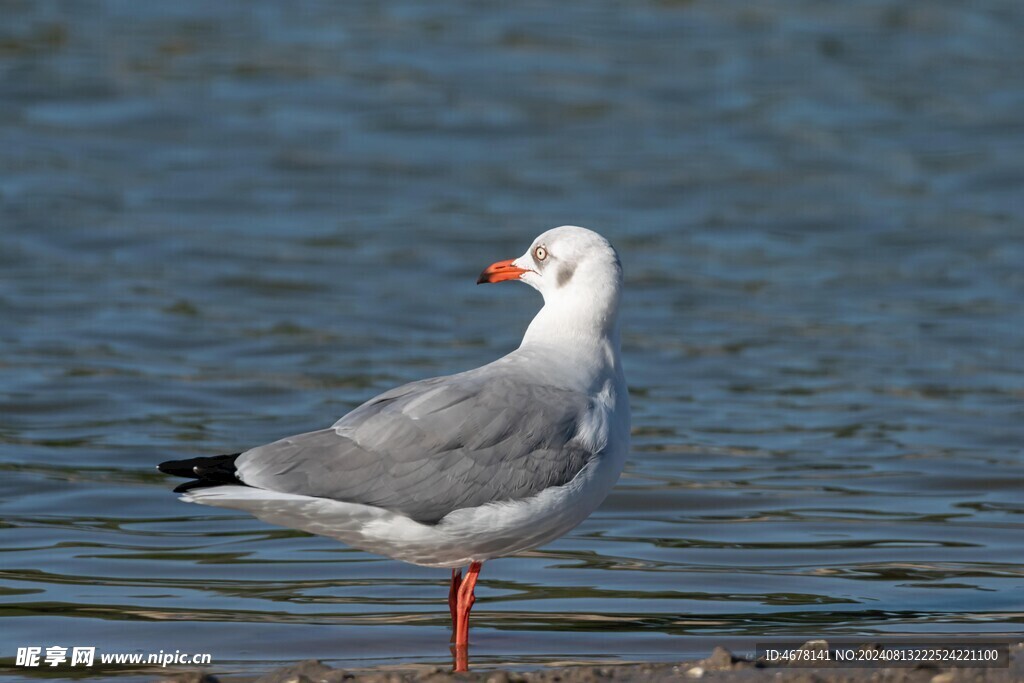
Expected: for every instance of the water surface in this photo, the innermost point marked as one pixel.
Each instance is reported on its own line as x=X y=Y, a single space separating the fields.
x=228 y=222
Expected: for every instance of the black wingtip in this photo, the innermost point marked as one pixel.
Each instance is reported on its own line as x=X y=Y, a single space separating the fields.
x=178 y=468
x=216 y=469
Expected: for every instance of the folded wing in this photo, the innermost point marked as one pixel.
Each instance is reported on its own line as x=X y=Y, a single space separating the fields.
x=428 y=448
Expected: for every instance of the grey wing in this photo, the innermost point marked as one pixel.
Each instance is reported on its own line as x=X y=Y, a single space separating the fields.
x=431 y=447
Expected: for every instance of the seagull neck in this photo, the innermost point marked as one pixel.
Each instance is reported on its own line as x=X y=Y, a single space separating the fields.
x=580 y=340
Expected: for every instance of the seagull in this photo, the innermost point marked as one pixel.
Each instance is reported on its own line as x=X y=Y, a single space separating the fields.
x=457 y=470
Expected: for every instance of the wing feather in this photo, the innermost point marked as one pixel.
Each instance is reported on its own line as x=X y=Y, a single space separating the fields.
x=430 y=447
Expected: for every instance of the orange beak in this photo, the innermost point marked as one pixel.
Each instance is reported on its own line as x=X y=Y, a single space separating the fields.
x=500 y=271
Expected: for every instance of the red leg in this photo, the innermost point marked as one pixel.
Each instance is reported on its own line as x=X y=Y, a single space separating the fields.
x=460 y=658
x=465 y=604
x=453 y=597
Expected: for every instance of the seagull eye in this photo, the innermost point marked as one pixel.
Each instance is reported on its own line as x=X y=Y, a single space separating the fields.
x=540 y=253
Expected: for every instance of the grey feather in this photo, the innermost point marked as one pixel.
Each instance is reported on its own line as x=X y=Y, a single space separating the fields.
x=565 y=273
x=430 y=447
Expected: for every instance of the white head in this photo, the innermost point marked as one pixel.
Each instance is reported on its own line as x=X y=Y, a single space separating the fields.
x=578 y=273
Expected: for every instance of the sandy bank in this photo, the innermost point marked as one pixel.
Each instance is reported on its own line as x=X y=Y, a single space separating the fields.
x=721 y=667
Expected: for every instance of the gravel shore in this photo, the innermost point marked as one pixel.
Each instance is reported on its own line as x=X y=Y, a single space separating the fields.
x=721 y=667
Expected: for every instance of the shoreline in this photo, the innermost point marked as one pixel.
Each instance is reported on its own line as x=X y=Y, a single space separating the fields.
x=721 y=666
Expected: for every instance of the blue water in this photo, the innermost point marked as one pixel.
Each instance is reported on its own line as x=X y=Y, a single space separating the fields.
x=226 y=222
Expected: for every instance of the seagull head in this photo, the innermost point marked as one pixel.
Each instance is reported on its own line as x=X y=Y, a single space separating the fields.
x=576 y=270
